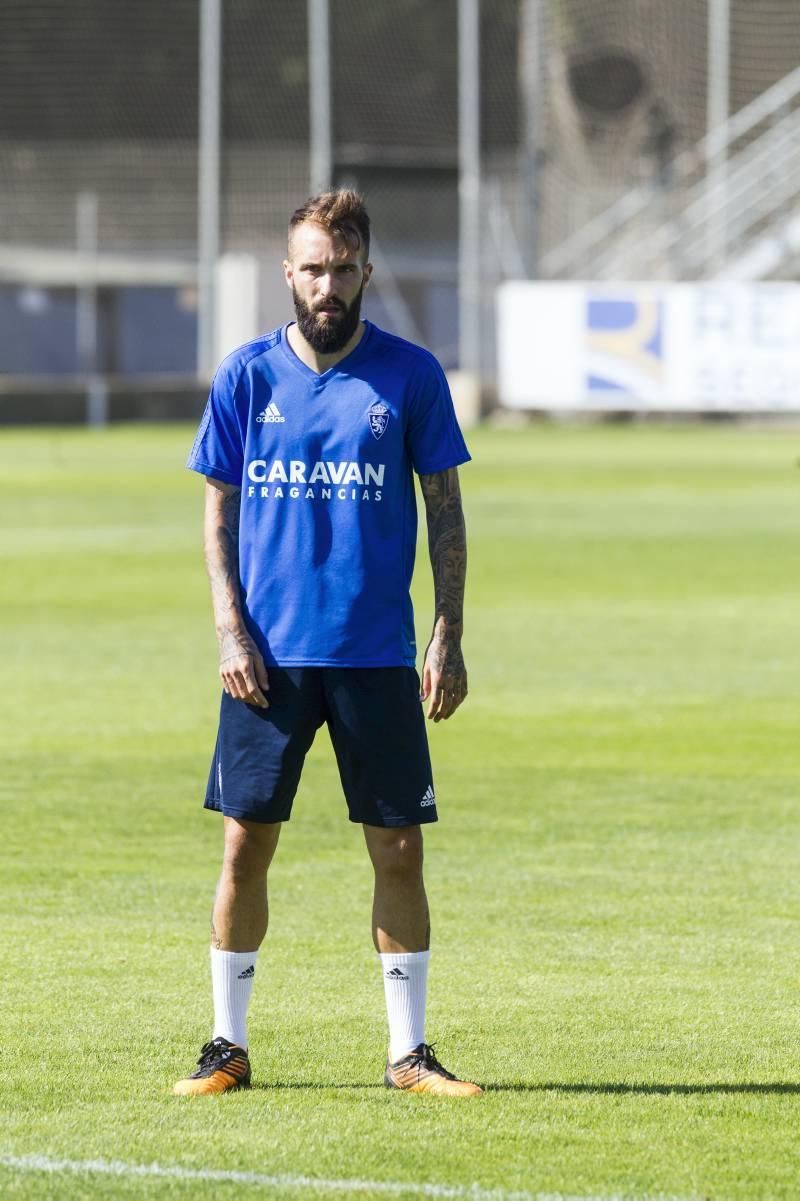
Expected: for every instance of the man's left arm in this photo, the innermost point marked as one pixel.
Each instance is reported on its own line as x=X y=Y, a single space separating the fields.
x=444 y=676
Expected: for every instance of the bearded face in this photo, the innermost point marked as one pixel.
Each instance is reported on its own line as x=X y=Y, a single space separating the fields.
x=328 y=325
x=327 y=273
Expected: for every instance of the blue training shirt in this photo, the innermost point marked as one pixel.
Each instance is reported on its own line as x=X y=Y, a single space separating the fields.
x=328 y=522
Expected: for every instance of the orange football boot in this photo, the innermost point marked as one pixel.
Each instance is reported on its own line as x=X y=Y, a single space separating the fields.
x=421 y=1072
x=222 y=1067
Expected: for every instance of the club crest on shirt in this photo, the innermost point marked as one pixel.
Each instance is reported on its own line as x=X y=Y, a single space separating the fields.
x=378 y=417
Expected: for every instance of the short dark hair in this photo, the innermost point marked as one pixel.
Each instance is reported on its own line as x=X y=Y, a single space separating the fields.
x=341 y=212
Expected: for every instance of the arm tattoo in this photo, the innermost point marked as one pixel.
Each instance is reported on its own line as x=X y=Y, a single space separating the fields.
x=222 y=561
x=447 y=544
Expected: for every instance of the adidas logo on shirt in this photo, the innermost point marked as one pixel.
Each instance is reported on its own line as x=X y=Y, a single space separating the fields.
x=429 y=797
x=271 y=413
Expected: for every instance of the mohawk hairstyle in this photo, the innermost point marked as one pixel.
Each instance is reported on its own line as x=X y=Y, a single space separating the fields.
x=340 y=212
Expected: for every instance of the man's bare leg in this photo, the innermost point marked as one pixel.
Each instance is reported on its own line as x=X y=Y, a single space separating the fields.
x=401 y=931
x=400 y=917
x=240 y=914
x=238 y=926
x=239 y=922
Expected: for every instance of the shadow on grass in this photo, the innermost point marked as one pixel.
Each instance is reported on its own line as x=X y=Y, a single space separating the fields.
x=312 y=1086
x=776 y=1088
x=773 y=1088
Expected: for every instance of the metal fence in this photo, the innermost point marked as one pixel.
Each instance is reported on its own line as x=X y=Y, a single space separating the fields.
x=141 y=143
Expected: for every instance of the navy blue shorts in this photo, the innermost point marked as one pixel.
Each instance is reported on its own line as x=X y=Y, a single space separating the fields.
x=377 y=728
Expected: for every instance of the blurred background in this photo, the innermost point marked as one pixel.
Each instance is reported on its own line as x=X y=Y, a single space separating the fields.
x=577 y=204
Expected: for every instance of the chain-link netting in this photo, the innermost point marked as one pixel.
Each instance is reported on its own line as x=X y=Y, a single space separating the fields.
x=627 y=98
x=99 y=98
x=585 y=105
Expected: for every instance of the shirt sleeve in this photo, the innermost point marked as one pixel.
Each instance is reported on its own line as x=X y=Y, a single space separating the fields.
x=434 y=440
x=218 y=449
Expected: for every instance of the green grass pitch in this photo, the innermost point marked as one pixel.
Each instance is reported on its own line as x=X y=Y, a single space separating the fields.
x=614 y=881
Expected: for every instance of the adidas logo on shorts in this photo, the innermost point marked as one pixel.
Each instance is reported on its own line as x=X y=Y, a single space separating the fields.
x=429 y=797
x=271 y=413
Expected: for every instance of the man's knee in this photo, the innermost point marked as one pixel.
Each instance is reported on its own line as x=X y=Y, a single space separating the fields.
x=396 y=852
x=249 y=847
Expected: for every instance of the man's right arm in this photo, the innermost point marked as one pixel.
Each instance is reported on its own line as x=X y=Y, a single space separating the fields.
x=241 y=666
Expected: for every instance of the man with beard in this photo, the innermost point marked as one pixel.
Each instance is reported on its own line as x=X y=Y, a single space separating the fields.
x=308 y=444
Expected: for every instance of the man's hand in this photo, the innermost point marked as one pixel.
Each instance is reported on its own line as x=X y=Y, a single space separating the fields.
x=242 y=669
x=444 y=676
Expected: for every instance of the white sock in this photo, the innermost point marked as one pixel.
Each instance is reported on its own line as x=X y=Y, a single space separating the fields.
x=405 y=983
x=232 y=975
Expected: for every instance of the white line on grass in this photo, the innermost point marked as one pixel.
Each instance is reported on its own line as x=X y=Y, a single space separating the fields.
x=391 y=1188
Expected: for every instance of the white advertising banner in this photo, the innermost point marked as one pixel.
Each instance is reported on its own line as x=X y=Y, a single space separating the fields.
x=716 y=347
